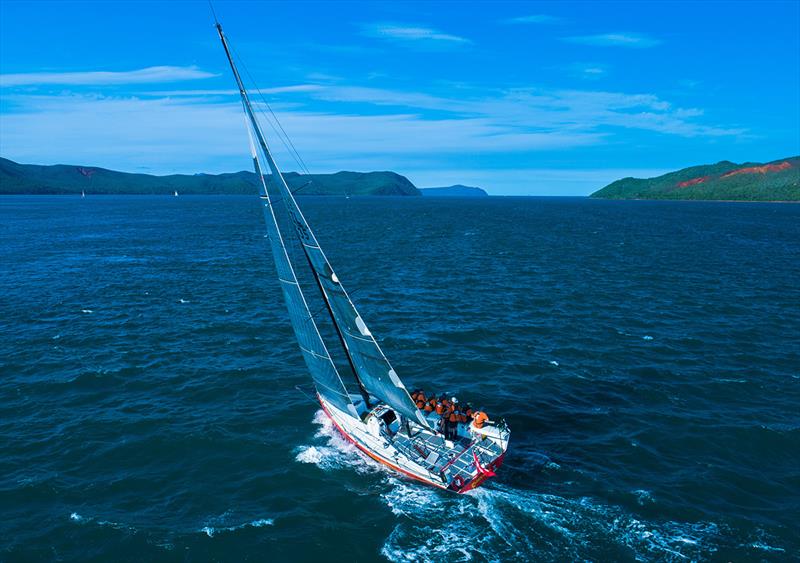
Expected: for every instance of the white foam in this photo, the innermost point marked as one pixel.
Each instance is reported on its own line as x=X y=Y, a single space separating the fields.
x=310 y=454
x=647 y=337
x=336 y=453
x=183 y=301
x=87 y=311
x=553 y=363
x=211 y=531
x=643 y=496
x=500 y=523
x=764 y=547
x=75 y=517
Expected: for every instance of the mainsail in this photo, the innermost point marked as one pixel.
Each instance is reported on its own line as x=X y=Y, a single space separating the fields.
x=370 y=366
x=326 y=378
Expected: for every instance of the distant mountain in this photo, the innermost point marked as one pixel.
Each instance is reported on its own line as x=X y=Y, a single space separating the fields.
x=773 y=181
x=454 y=191
x=68 y=179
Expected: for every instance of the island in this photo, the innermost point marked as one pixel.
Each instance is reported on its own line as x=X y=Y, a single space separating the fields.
x=454 y=191
x=18 y=178
x=778 y=180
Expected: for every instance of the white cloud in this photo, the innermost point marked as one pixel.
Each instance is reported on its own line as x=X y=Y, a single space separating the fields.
x=545 y=111
x=153 y=74
x=412 y=34
x=619 y=39
x=533 y=19
x=589 y=71
x=415 y=133
x=232 y=92
x=190 y=134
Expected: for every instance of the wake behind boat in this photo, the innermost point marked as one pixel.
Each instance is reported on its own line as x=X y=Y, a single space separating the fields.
x=428 y=439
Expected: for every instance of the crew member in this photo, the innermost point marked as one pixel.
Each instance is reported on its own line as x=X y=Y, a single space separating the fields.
x=479 y=419
x=452 y=418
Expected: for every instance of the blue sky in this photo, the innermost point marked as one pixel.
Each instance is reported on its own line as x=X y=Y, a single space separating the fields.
x=519 y=98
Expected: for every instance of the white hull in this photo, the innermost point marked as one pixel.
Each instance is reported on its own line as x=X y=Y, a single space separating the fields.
x=458 y=465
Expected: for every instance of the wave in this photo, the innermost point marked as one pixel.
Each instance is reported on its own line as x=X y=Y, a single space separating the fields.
x=213 y=526
x=499 y=522
x=212 y=531
x=79 y=519
x=337 y=453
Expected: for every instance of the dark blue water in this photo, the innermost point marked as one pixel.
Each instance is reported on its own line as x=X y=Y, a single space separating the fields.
x=645 y=354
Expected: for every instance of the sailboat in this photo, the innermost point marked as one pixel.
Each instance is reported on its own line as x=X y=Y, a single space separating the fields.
x=175 y=193
x=381 y=419
x=83 y=193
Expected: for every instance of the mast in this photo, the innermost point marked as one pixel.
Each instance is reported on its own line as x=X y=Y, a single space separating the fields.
x=320 y=364
x=361 y=389
x=278 y=176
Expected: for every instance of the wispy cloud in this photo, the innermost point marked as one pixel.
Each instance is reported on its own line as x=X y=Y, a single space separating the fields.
x=179 y=133
x=233 y=92
x=412 y=34
x=619 y=39
x=534 y=19
x=336 y=126
x=525 y=110
x=588 y=71
x=153 y=74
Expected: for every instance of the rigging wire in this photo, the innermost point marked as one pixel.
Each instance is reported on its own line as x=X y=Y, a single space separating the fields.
x=213 y=13
x=280 y=132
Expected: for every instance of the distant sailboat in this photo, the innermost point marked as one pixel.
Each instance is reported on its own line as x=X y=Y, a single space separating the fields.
x=382 y=419
x=176 y=193
x=83 y=193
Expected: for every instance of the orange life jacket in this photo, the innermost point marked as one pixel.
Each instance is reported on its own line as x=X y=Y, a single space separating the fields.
x=479 y=418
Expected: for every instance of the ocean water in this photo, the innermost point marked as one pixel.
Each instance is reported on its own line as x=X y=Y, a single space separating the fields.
x=646 y=356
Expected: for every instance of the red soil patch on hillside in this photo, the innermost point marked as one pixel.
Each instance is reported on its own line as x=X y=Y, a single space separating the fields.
x=749 y=170
x=759 y=169
x=692 y=182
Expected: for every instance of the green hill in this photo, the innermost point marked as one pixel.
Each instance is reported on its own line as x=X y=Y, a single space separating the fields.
x=773 y=181
x=68 y=179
